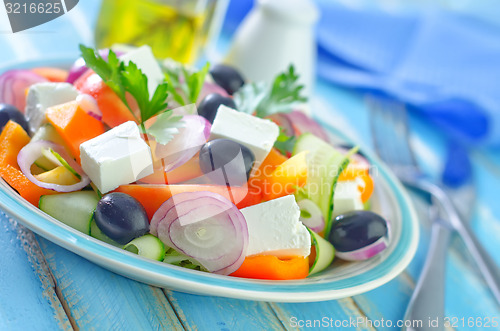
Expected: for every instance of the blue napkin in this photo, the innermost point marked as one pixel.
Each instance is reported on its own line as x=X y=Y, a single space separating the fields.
x=443 y=64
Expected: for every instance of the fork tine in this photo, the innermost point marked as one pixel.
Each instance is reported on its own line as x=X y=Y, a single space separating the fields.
x=390 y=134
x=405 y=150
x=379 y=132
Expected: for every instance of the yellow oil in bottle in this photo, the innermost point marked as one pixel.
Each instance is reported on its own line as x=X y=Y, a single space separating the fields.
x=173 y=28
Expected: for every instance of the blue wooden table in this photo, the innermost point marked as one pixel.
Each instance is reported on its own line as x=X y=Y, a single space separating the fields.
x=45 y=287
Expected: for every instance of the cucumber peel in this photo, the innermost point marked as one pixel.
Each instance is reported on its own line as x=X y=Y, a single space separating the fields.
x=325 y=252
x=75 y=209
x=96 y=232
x=325 y=164
x=53 y=155
x=147 y=246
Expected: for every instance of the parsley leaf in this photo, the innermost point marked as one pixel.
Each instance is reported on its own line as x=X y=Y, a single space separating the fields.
x=285 y=143
x=265 y=99
x=165 y=127
x=136 y=83
x=123 y=79
x=185 y=84
x=249 y=96
x=109 y=71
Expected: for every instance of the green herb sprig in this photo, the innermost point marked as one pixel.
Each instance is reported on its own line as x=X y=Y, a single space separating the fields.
x=279 y=97
x=285 y=143
x=128 y=78
x=185 y=85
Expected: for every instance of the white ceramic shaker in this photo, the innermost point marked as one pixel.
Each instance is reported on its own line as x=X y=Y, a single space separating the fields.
x=275 y=34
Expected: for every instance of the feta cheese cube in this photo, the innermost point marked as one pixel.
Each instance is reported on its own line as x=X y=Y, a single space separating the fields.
x=44 y=95
x=145 y=60
x=116 y=157
x=346 y=198
x=255 y=133
x=274 y=228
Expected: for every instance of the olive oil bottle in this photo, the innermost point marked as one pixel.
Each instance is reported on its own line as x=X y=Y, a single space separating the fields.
x=179 y=29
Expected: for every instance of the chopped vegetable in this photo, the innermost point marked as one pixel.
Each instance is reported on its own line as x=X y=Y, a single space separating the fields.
x=273 y=268
x=324 y=252
x=311 y=216
x=147 y=246
x=206 y=227
x=287 y=177
x=74 y=125
x=56 y=75
x=32 y=151
x=152 y=196
x=13 y=86
x=59 y=175
x=325 y=165
x=12 y=140
x=114 y=111
x=75 y=209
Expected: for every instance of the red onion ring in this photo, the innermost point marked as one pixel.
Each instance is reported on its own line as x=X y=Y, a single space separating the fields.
x=303 y=123
x=186 y=143
x=316 y=222
x=13 y=85
x=365 y=252
x=209 y=88
x=32 y=151
x=169 y=204
x=89 y=105
x=283 y=121
x=206 y=227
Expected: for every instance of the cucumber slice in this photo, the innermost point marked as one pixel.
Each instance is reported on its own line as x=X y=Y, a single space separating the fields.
x=75 y=209
x=45 y=164
x=59 y=159
x=325 y=164
x=49 y=161
x=96 y=232
x=367 y=205
x=48 y=132
x=147 y=246
x=325 y=252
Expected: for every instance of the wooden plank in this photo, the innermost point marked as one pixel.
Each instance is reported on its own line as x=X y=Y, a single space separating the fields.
x=28 y=299
x=337 y=314
x=101 y=300
x=213 y=313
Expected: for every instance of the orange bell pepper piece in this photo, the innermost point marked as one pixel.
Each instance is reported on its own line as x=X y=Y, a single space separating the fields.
x=114 y=111
x=367 y=189
x=74 y=125
x=12 y=140
x=353 y=173
x=152 y=196
x=271 y=267
x=51 y=74
x=287 y=177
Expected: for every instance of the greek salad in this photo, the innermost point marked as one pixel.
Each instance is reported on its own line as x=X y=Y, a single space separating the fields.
x=195 y=168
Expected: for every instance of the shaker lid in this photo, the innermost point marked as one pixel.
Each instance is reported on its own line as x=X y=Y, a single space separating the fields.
x=299 y=11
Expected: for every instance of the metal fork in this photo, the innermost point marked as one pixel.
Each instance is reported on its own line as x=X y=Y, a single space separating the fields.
x=389 y=128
